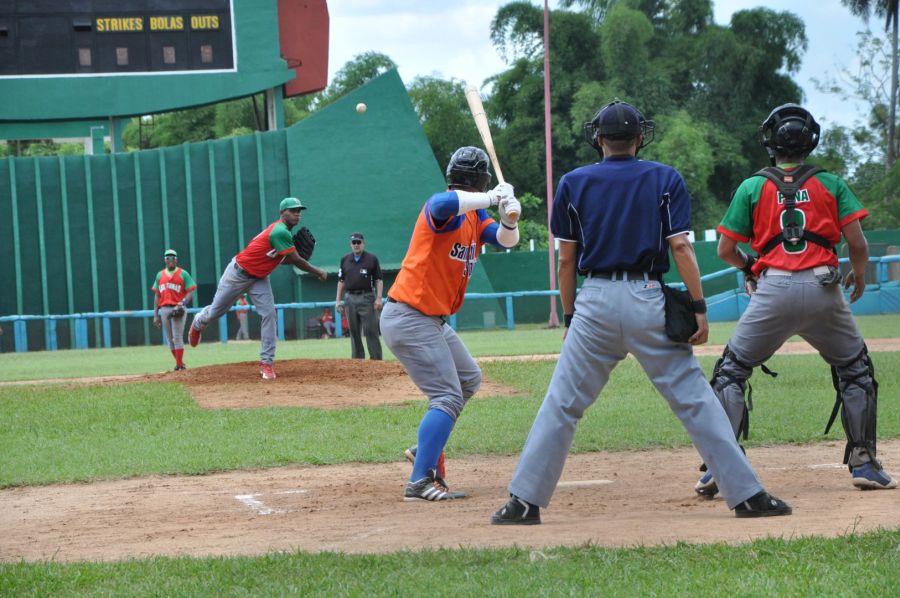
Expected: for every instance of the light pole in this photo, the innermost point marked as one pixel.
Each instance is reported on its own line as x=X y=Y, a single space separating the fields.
x=548 y=141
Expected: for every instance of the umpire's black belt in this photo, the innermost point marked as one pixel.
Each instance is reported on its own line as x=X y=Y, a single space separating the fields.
x=360 y=292
x=624 y=275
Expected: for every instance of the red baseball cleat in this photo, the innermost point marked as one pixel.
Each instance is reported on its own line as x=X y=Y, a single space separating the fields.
x=266 y=371
x=194 y=336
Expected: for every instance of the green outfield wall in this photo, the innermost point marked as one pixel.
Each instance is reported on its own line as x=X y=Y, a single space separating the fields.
x=87 y=233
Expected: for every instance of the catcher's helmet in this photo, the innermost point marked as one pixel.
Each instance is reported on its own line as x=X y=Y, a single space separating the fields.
x=469 y=167
x=789 y=130
x=618 y=120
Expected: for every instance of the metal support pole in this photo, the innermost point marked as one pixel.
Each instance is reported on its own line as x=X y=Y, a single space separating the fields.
x=553 y=321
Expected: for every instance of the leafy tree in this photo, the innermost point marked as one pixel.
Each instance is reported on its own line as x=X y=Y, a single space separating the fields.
x=444 y=114
x=888 y=9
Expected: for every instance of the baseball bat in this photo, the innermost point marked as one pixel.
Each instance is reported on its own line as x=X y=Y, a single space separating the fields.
x=473 y=96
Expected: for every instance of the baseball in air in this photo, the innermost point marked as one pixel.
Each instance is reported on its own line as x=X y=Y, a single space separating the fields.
x=360 y=107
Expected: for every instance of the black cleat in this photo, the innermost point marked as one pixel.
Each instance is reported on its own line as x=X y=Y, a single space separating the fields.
x=762 y=504
x=517 y=512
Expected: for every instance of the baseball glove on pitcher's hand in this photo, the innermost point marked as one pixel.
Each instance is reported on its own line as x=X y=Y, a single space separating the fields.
x=177 y=311
x=305 y=242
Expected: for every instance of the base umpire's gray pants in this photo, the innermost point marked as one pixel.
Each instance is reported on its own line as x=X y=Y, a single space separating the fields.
x=612 y=319
x=363 y=320
x=173 y=327
x=433 y=356
x=234 y=283
x=784 y=306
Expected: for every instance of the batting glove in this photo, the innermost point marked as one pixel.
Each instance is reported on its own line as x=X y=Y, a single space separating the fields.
x=499 y=192
x=509 y=208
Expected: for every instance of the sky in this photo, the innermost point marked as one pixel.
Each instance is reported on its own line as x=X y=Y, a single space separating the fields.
x=451 y=39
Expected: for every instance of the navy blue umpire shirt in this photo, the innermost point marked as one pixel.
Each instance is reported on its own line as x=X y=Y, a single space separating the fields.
x=621 y=211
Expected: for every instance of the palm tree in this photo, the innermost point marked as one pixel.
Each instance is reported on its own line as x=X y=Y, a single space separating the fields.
x=887 y=9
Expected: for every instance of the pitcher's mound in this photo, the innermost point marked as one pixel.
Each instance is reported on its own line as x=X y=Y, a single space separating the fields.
x=318 y=383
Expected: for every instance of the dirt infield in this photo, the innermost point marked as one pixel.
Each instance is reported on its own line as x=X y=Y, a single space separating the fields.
x=608 y=499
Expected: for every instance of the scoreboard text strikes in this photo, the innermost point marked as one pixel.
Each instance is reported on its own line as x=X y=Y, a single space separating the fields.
x=168 y=23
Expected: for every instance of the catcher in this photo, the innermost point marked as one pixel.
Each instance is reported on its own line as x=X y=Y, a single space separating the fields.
x=248 y=272
x=172 y=291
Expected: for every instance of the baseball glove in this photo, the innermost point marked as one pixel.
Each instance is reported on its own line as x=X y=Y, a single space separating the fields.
x=305 y=242
x=177 y=311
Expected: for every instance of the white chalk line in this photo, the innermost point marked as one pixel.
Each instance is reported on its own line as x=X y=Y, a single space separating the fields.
x=260 y=507
x=584 y=483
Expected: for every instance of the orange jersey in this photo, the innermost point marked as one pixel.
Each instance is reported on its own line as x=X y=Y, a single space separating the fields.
x=266 y=251
x=439 y=262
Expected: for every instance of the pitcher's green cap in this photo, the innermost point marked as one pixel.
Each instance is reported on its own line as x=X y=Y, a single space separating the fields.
x=290 y=203
x=171 y=252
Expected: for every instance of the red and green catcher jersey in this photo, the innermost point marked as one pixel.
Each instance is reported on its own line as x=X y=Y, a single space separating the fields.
x=172 y=286
x=824 y=205
x=266 y=251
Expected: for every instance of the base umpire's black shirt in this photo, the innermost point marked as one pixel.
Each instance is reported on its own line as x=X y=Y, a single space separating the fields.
x=359 y=276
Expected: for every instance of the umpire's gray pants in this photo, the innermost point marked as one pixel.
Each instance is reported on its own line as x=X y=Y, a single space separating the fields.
x=363 y=320
x=612 y=319
x=434 y=357
x=173 y=327
x=234 y=283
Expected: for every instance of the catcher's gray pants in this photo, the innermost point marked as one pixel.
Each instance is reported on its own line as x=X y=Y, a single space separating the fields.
x=173 y=327
x=234 y=283
x=798 y=304
x=434 y=357
x=363 y=319
x=612 y=319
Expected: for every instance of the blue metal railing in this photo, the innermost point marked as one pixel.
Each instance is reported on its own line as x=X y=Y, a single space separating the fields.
x=81 y=319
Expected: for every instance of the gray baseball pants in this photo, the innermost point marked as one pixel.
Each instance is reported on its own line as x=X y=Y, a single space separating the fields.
x=234 y=283
x=363 y=320
x=173 y=327
x=787 y=304
x=612 y=319
x=433 y=356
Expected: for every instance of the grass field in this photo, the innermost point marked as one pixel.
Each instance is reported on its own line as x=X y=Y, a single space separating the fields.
x=53 y=433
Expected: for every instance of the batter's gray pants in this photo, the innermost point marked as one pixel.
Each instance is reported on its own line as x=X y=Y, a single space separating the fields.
x=363 y=319
x=784 y=306
x=234 y=283
x=173 y=327
x=434 y=357
x=612 y=319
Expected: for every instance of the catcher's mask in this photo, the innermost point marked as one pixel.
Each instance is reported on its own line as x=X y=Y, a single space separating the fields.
x=618 y=120
x=789 y=130
x=469 y=167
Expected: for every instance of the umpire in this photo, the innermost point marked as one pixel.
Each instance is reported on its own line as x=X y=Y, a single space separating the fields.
x=359 y=292
x=616 y=221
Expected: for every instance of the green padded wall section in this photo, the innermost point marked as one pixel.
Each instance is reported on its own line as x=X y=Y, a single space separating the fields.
x=370 y=172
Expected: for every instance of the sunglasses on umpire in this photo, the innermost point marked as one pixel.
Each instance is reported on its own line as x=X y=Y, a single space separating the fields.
x=356 y=242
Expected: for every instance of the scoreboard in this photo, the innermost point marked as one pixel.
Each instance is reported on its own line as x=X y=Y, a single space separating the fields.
x=104 y=37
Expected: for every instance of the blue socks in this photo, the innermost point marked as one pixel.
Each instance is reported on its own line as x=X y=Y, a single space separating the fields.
x=434 y=431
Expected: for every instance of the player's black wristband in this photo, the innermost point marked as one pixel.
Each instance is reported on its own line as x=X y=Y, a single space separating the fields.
x=748 y=266
x=698 y=306
x=568 y=319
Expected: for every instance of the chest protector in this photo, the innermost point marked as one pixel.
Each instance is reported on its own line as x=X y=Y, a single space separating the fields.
x=789 y=183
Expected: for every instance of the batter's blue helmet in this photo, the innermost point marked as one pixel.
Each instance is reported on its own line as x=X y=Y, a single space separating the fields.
x=469 y=167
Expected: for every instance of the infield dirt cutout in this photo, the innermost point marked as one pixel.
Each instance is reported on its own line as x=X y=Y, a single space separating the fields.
x=610 y=499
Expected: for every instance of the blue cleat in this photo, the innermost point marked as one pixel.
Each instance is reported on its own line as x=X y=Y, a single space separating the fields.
x=871 y=476
x=706 y=486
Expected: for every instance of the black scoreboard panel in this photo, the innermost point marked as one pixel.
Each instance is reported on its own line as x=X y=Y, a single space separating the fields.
x=70 y=37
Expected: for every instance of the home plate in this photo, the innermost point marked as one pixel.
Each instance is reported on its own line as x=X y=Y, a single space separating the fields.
x=583 y=483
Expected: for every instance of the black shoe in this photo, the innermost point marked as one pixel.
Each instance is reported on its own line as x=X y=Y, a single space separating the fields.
x=517 y=512
x=430 y=487
x=762 y=504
